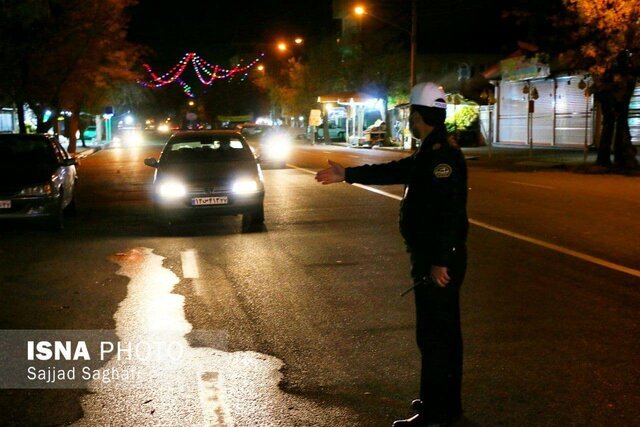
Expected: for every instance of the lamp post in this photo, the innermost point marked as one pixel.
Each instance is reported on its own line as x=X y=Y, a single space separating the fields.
x=361 y=11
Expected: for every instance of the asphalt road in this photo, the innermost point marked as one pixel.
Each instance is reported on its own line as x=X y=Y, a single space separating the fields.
x=302 y=321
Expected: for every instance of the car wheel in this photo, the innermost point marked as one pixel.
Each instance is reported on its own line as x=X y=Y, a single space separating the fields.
x=161 y=222
x=253 y=220
x=55 y=221
x=71 y=208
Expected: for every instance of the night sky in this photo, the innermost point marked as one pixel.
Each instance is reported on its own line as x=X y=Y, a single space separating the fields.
x=219 y=29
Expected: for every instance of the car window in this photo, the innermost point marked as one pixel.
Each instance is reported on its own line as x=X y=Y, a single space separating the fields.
x=58 y=151
x=26 y=150
x=205 y=149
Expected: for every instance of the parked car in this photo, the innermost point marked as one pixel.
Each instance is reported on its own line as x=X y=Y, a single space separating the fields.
x=335 y=133
x=37 y=179
x=207 y=173
x=89 y=133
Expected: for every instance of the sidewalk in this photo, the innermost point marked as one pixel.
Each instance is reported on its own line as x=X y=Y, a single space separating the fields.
x=524 y=159
x=81 y=152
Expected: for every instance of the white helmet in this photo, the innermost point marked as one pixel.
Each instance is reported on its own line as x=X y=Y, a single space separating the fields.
x=428 y=95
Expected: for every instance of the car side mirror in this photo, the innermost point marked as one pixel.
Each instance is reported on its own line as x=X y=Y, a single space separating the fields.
x=69 y=162
x=151 y=162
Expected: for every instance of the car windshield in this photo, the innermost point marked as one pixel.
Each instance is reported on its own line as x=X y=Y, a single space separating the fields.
x=196 y=149
x=16 y=151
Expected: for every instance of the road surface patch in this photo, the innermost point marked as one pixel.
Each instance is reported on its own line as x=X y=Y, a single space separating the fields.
x=532 y=240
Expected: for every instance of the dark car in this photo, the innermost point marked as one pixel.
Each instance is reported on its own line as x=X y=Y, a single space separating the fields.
x=37 y=179
x=207 y=173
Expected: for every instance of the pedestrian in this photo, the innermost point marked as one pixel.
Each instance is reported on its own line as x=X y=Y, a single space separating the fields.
x=433 y=224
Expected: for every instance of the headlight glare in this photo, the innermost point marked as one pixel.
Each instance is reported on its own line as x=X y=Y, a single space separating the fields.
x=278 y=147
x=172 y=190
x=245 y=186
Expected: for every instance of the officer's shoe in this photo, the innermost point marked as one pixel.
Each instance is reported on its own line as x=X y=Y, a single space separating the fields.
x=420 y=420
x=424 y=420
x=417 y=405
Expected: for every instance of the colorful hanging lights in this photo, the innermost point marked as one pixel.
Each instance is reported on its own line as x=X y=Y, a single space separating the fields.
x=206 y=72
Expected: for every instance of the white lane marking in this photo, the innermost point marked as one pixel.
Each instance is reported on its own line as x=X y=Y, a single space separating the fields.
x=328 y=152
x=190 y=264
x=557 y=248
x=375 y=190
x=302 y=169
x=560 y=249
x=211 y=391
x=532 y=185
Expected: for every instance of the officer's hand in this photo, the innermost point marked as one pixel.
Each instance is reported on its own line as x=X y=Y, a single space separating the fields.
x=332 y=174
x=440 y=276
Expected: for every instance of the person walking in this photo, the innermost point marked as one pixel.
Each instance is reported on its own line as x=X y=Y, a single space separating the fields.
x=434 y=225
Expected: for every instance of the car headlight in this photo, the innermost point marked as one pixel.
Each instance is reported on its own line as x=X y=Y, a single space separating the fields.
x=245 y=186
x=172 y=190
x=133 y=138
x=163 y=128
x=37 y=190
x=278 y=147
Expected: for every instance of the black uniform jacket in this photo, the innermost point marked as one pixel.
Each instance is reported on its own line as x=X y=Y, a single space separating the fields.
x=433 y=215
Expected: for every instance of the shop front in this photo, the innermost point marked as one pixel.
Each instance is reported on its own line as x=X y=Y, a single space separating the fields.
x=349 y=114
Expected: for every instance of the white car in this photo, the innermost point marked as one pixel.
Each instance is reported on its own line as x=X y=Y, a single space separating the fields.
x=37 y=179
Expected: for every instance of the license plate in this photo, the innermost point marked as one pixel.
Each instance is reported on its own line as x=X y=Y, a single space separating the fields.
x=5 y=204
x=204 y=201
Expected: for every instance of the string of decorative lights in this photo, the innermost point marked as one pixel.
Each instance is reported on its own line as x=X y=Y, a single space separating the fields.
x=201 y=68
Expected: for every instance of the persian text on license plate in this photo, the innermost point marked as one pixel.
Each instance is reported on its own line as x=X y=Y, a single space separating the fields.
x=5 y=204
x=204 y=201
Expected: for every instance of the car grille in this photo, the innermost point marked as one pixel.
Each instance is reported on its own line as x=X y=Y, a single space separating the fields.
x=211 y=189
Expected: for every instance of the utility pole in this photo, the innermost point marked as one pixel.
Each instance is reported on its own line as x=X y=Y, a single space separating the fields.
x=414 y=41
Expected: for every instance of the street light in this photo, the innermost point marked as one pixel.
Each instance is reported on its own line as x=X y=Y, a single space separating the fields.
x=191 y=103
x=260 y=67
x=282 y=46
x=360 y=11
x=298 y=40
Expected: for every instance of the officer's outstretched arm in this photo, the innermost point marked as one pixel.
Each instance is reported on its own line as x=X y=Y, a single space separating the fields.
x=396 y=172
x=331 y=175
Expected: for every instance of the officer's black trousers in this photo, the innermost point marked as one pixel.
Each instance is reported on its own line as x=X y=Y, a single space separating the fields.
x=439 y=335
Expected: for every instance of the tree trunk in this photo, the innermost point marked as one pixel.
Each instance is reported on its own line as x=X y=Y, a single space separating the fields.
x=21 y=123
x=43 y=126
x=326 y=138
x=624 y=153
x=74 y=123
x=614 y=104
x=608 y=126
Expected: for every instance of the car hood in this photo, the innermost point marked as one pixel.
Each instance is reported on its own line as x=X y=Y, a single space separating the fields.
x=208 y=172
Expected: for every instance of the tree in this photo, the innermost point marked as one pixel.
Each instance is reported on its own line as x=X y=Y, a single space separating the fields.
x=374 y=64
x=75 y=56
x=20 y=24
x=601 y=37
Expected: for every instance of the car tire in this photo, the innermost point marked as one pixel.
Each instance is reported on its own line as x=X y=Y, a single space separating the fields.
x=163 y=225
x=253 y=220
x=71 y=208
x=55 y=222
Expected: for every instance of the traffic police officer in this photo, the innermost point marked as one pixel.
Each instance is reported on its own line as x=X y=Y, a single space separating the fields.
x=433 y=223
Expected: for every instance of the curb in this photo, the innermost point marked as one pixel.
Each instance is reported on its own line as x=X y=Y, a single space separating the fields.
x=86 y=153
